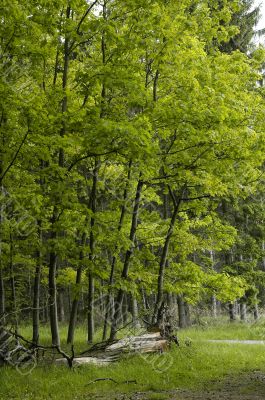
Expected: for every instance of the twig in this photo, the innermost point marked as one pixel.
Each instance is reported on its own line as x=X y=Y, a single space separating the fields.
x=112 y=380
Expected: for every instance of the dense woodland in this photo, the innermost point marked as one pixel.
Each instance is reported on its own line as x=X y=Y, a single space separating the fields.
x=132 y=156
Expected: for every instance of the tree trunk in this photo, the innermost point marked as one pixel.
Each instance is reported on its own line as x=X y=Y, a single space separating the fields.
x=2 y=286
x=74 y=307
x=53 y=256
x=243 y=311
x=135 y=312
x=187 y=314
x=61 y=312
x=91 y=288
x=124 y=275
x=2 y=293
x=181 y=312
x=163 y=260
x=109 y=311
x=53 y=297
x=263 y=252
x=232 y=315
x=13 y=283
x=36 y=293
x=256 y=312
x=36 y=303
x=125 y=309
x=214 y=307
x=90 y=312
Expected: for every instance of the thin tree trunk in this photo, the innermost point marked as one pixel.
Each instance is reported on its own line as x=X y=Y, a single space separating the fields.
x=181 y=312
x=2 y=286
x=125 y=271
x=13 y=283
x=213 y=299
x=144 y=300
x=53 y=292
x=64 y=86
x=36 y=295
x=163 y=260
x=109 y=311
x=243 y=311
x=214 y=307
x=61 y=312
x=90 y=313
x=187 y=314
x=232 y=315
x=125 y=309
x=135 y=312
x=263 y=252
x=53 y=256
x=74 y=307
x=91 y=288
x=2 y=294
x=256 y=312
x=45 y=306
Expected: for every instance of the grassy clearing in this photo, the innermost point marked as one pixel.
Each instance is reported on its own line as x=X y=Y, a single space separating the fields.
x=189 y=367
x=195 y=366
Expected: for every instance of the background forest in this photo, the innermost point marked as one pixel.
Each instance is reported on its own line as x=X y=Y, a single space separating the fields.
x=131 y=163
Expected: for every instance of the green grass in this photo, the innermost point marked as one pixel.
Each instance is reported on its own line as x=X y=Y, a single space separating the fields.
x=195 y=366
x=221 y=330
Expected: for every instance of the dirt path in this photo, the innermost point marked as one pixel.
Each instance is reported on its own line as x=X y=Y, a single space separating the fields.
x=245 y=387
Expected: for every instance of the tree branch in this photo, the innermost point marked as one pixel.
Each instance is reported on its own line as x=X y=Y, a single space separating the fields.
x=15 y=156
x=85 y=15
x=90 y=155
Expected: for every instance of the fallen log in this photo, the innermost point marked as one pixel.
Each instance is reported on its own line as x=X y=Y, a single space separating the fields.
x=106 y=353
x=14 y=353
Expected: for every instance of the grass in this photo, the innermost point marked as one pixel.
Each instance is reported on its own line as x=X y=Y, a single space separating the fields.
x=221 y=330
x=196 y=367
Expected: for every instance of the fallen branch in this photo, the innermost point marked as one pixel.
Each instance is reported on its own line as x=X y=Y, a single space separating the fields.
x=112 y=380
x=6 y=335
